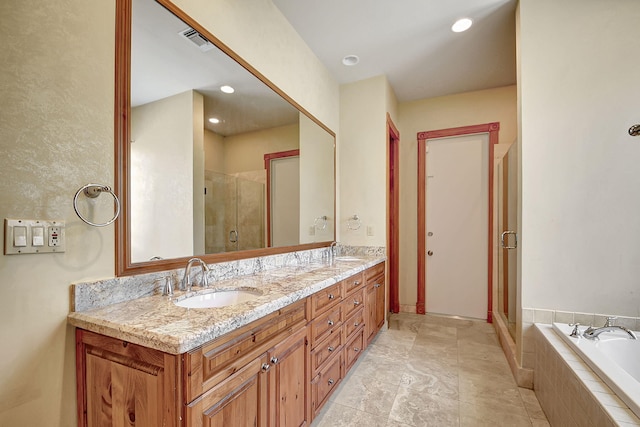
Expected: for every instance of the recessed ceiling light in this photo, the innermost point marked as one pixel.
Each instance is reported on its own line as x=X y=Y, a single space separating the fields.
x=227 y=89
x=461 y=25
x=214 y=120
x=350 y=60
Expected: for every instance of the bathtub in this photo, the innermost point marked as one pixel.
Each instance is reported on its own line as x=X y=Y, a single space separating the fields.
x=615 y=358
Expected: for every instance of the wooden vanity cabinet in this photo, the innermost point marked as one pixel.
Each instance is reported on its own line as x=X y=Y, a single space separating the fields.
x=375 y=300
x=277 y=371
x=122 y=384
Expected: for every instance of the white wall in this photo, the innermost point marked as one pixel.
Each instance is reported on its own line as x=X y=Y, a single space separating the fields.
x=58 y=135
x=580 y=93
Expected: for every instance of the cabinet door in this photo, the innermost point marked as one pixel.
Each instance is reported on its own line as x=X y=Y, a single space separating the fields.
x=289 y=388
x=124 y=384
x=240 y=400
x=371 y=324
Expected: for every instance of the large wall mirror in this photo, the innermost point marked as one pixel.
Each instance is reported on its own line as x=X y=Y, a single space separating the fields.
x=212 y=160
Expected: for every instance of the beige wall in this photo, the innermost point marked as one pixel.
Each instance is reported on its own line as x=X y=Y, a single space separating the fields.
x=213 y=151
x=162 y=175
x=362 y=161
x=245 y=152
x=493 y=105
x=580 y=182
x=58 y=135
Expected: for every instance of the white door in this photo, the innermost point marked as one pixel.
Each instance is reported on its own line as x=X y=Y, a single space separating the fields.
x=457 y=226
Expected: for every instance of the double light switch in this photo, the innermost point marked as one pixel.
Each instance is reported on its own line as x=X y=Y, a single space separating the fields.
x=33 y=236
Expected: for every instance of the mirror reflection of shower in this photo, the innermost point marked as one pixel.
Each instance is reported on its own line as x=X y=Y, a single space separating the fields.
x=234 y=212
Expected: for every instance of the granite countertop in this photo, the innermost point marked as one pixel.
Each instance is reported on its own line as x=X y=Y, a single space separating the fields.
x=156 y=322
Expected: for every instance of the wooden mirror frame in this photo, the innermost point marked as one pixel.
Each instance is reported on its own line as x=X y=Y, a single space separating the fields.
x=122 y=113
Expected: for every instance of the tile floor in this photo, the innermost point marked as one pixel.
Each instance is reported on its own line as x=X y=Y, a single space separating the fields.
x=432 y=371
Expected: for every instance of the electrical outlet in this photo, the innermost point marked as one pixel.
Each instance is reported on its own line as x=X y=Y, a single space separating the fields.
x=27 y=236
x=369 y=230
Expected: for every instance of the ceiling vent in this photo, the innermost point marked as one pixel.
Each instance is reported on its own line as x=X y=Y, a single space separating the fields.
x=197 y=39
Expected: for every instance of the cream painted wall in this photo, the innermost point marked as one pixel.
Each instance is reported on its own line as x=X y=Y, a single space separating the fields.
x=363 y=161
x=493 y=105
x=162 y=176
x=316 y=182
x=58 y=135
x=245 y=152
x=580 y=181
x=213 y=151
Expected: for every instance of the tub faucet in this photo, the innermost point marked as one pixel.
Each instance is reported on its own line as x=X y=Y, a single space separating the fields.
x=186 y=280
x=593 y=333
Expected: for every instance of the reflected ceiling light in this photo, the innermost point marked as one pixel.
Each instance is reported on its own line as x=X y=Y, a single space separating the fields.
x=227 y=89
x=214 y=120
x=461 y=25
x=350 y=60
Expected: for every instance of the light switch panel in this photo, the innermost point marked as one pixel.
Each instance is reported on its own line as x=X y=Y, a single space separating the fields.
x=33 y=236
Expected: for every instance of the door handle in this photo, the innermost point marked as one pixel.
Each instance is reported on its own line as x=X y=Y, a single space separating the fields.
x=503 y=238
x=233 y=236
x=430 y=253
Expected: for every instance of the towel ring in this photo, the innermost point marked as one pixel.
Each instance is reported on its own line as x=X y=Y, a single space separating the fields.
x=321 y=222
x=354 y=223
x=92 y=191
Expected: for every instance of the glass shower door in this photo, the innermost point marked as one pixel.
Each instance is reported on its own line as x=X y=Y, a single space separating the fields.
x=507 y=192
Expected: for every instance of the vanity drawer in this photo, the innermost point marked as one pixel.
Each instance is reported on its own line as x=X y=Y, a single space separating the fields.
x=324 y=383
x=326 y=298
x=353 y=349
x=325 y=350
x=353 y=302
x=353 y=323
x=376 y=270
x=325 y=325
x=214 y=362
x=353 y=282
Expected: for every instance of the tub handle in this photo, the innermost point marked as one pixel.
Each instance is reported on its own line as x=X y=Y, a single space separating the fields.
x=575 y=332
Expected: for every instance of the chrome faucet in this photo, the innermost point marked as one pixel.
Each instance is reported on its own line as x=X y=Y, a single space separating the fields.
x=186 y=280
x=593 y=333
x=332 y=250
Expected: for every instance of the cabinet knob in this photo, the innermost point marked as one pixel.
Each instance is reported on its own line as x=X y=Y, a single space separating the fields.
x=331 y=296
x=356 y=324
x=377 y=285
x=274 y=360
x=356 y=349
x=331 y=381
x=265 y=367
x=330 y=349
x=330 y=322
x=356 y=302
x=356 y=283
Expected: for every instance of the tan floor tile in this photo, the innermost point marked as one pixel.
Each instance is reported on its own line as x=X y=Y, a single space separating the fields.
x=431 y=377
x=531 y=404
x=513 y=421
x=367 y=394
x=385 y=369
x=334 y=415
x=423 y=409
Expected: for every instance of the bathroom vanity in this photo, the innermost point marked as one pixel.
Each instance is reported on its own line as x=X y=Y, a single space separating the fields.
x=272 y=362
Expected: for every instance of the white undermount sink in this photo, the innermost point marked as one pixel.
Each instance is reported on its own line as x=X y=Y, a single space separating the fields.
x=221 y=298
x=347 y=258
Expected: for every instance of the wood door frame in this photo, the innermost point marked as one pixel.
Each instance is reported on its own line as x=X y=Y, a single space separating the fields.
x=267 y=165
x=393 y=213
x=493 y=130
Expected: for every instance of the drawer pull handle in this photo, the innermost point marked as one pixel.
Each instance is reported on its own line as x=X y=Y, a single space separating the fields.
x=377 y=285
x=274 y=360
x=331 y=381
x=330 y=349
x=356 y=349
x=330 y=322
x=356 y=302
x=265 y=367
x=331 y=296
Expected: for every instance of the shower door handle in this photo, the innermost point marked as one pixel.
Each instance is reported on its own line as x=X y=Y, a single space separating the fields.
x=233 y=236
x=506 y=245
